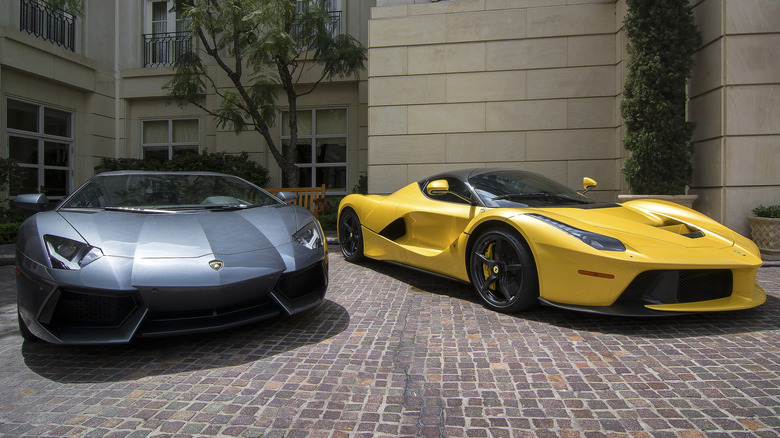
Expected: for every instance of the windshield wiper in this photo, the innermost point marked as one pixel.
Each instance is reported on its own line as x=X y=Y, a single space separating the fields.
x=137 y=210
x=540 y=195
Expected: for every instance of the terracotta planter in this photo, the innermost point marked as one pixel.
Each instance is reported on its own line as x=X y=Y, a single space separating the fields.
x=684 y=200
x=765 y=232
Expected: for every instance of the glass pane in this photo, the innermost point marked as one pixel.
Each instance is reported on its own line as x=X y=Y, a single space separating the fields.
x=55 y=154
x=155 y=131
x=334 y=178
x=303 y=155
x=159 y=16
x=185 y=131
x=27 y=181
x=304 y=123
x=22 y=116
x=180 y=151
x=23 y=150
x=332 y=150
x=331 y=121
x=304 y=178
x=55 y=182
x=156 y=153
x=56 y=122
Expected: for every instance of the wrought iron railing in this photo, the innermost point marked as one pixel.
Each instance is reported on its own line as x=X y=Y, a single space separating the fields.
x=334 y=28
x=53 y=25
x=165 y=48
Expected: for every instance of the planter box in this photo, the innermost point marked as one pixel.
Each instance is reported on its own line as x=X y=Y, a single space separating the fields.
x=684 y=200
x=765 y=232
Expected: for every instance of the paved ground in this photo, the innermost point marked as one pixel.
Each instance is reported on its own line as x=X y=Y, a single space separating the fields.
x=394 y=352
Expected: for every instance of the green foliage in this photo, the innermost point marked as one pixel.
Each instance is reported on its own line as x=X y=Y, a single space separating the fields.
x=8 y=232
x=771 y=211
x=328 y=221
x=261 y=46
x=362 y=185
x=221 y=162
x=662 y=38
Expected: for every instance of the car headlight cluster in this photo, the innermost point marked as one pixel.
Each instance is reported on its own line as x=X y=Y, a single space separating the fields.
x=66 y=253
x=310 y=236
x=598 y=241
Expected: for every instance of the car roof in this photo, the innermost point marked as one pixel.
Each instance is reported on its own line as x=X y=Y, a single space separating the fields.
x=465 y=174
x=157 y=172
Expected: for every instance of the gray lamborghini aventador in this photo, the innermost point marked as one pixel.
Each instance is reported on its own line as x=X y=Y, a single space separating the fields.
x=140 y=254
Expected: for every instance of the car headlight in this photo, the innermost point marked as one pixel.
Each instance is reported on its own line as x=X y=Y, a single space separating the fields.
x=70 y=254
x=310 y=235
x=598 y=241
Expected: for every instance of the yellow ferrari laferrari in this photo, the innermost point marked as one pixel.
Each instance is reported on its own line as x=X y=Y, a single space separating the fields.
x=522 y=239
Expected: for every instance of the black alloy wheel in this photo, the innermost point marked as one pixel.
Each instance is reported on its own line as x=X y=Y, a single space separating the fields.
x=503 y=271
x=350 y=236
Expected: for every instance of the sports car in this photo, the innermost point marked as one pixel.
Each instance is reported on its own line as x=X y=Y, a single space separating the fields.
x=520 y=239
x=144 y=254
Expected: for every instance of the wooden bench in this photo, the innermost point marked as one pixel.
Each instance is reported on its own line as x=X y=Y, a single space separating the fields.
x=312 y=198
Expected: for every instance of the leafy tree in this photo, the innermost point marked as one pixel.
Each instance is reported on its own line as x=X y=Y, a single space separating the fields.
x=261 y=46
x=662 y=37
x=75 y=7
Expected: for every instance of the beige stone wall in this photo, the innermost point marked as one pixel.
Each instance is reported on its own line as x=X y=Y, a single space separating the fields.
x=475 y=83
x=735 y=99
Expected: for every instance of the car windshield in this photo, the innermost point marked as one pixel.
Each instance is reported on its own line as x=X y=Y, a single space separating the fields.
x=515 y=188
x=168 y=192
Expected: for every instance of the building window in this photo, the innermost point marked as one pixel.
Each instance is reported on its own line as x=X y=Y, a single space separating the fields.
x=53 y=25
x=321 y=152
x=331 y=7
x=164 y=139
x=165 y=37
x=40 y=139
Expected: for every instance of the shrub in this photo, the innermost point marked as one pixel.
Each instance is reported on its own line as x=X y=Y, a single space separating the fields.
x=8 y=232
x=239 y=165
x=662 y=37
x=771 y=211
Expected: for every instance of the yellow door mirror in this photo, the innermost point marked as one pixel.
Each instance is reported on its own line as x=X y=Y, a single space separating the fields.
x=438 y=187
x=588 y=184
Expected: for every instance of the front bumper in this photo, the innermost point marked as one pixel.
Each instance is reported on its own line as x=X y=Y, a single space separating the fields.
x=72 y=313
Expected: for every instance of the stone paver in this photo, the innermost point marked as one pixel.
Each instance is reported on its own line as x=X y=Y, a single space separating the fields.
x=397 y=353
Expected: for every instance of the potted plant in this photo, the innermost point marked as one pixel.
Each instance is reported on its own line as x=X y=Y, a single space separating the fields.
x=662 y=37
x=765 y=228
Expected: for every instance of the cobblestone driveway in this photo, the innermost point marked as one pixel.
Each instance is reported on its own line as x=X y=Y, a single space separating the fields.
x=394 y=352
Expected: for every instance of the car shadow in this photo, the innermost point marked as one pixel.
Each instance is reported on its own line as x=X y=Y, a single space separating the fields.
x=673 y=326
x=163 y=356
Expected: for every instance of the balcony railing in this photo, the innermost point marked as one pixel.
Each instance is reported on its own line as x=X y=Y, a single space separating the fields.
x=165 y=48
x=334 y=28
x=49 y=24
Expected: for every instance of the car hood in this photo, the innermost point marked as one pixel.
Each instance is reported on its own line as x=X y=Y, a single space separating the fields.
x=185 y=234
x=648 y=224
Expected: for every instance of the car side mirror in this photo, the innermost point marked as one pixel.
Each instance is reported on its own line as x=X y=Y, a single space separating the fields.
x=287 y=197
x=31 y=203
x=588 y=184
x=437 y=187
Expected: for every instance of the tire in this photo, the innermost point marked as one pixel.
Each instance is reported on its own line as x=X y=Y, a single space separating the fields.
x=23 y=330
x=503 y=271
x=351 y=236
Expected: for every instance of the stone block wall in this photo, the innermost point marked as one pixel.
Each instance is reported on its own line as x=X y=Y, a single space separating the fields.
x=478 y=83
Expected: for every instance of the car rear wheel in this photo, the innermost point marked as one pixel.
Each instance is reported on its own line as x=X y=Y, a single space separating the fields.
x=503 y=271
x=350 y=236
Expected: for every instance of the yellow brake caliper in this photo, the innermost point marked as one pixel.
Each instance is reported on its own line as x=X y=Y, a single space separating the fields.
x=486 y=270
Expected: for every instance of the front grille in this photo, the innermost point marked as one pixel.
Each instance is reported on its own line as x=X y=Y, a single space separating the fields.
x=92 y=310
x=702 y=285
x=298 y=284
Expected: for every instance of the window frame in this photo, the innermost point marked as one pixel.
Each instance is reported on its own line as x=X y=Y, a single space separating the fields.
x=170 y=144
x=41 y=138
x=312 y=138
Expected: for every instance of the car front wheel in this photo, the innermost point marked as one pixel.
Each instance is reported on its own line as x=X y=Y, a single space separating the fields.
x=350 y=236
x=503 y=271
